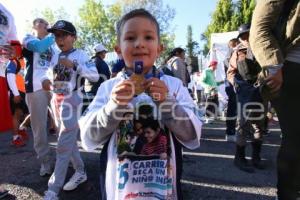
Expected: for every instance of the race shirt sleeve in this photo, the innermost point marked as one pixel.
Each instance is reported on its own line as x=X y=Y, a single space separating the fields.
x=87 y=68
x=34 y=44
x=11 y=78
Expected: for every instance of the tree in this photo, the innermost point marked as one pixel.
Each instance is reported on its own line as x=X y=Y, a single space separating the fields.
x=243 y=13
x=97 y=23
x=192 y=46
x=228 y=16
x=221 y=21
x=95 y=26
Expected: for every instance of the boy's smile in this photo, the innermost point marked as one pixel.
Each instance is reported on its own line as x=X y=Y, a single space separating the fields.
x=139 y=42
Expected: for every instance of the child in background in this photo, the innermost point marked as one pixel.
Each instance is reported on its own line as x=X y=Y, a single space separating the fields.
x=66 y=103
x=139 y=40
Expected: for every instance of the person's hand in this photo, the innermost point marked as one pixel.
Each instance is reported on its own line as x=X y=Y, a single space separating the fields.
x=7 y=51
x=46 y=84
x=17 y=99
x=123 y=93
x=274 y=82
x=157 y=89
x=66 y=62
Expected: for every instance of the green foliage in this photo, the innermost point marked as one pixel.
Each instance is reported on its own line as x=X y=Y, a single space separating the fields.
x=192 y=46
x=228 y=16
x=95 y=26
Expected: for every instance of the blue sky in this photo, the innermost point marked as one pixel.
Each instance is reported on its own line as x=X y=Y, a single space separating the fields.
x=189 y=12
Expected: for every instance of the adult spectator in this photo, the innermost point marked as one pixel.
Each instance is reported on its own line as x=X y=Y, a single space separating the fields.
x=38 y=53
x=177 y=65
x=91 y=88
x=231 y=105
x=242 y=73
x=275 y=40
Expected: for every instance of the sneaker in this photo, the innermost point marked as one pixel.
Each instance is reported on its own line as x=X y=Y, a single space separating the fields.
x=230 y=138
x=3 y=193
x=75 y=180
x=18 y=141
x=23 y=133
x=50 y=195
x=45 y=170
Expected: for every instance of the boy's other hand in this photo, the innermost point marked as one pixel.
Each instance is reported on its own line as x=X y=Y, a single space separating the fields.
x=123 y=92
x=66 y=62
x=157 y=89
x=46 y=84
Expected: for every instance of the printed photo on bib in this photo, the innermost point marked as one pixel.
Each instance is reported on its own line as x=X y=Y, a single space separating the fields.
x=143 y=148
x=62 y=78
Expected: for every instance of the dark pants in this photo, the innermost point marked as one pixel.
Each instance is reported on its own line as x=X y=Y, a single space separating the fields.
x=288 y=109
x=251 y=113
x=211 y=107
x=231 y=110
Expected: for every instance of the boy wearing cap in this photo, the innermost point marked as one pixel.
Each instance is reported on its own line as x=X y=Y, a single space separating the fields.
x=70 y=64
x=90 y=88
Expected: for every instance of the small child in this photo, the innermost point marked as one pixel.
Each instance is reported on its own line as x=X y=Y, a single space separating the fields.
x=156 y=140
x=139 y=176
x=66 y=103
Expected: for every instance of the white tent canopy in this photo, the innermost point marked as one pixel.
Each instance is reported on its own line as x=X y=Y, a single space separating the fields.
x=218 y=52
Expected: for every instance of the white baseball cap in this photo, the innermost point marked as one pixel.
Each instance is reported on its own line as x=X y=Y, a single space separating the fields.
x=99 y=47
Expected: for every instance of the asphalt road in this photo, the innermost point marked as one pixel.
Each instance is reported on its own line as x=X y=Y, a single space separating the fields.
x=209 y=173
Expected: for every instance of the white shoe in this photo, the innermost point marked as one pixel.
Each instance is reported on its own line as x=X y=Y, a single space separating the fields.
x=50 y=195
x=230 y=138
x=45 y=169
x=75 y=180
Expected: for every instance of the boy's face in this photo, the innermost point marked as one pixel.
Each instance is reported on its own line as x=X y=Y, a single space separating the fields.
x=64 y=40
x=139 y=42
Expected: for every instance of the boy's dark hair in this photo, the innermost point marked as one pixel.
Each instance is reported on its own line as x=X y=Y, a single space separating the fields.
x=151 y=123
x=136 y=13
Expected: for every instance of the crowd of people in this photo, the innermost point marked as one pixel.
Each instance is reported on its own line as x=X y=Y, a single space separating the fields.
x=137 y=110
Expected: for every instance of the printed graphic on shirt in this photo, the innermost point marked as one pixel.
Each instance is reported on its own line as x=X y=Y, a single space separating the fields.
x=45 y=58
x=62 y=78
x=3 y=27
x=144 y=169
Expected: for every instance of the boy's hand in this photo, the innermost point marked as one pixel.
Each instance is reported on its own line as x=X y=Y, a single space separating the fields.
x=66 y=62
x=123 y=93
x=157 y=89
x=46 y=84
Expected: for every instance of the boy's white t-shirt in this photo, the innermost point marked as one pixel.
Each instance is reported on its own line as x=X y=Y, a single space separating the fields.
x=138 y=177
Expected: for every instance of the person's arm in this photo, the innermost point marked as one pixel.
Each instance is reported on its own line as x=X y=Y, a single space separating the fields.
x=36 y=45
x=263 y=43
x=178 y=114
x=87 y=68
x=232 y=69
x=11 y=78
